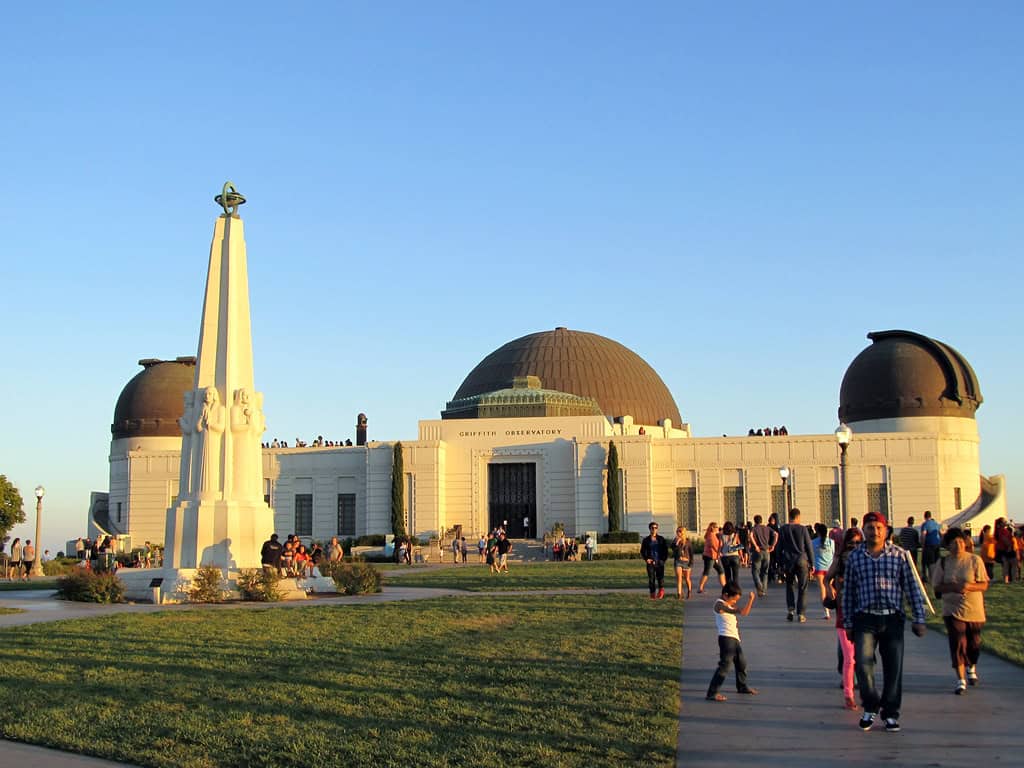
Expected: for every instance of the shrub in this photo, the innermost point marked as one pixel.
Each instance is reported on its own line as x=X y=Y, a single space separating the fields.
x=62 y=566
x=90 y=587
x=599 y=555
x=619 y=537
x=207 y=585
x=353 y=578
x=259 y=585
x=373 y=540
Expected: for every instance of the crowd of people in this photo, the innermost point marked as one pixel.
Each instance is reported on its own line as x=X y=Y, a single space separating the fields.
x=768 y=431
x=317 y=442
x=17 y=566
x=866 y=577
x=293 y=559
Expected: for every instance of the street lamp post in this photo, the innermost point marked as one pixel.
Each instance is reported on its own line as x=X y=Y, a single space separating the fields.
x=787 y=500
x=843 y=436
x=37 y=564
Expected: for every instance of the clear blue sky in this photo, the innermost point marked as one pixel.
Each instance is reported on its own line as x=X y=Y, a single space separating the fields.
x=739 y=195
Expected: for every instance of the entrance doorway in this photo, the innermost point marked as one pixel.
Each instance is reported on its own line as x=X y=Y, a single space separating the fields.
x=512 y=498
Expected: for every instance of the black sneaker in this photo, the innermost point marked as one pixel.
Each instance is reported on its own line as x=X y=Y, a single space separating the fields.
x=789 y=616
x=867 y=720
x=892 y=725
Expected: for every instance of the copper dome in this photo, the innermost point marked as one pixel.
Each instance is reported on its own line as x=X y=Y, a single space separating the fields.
x=907 y=374
x=152 y=402
x=579 y=363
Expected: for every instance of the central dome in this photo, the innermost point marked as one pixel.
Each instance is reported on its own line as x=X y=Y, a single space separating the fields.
x=582 y=364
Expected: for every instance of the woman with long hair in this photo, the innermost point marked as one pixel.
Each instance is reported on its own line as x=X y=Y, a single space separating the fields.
x=824 y=552
x=712 y=553
x=682 y=557
x=834 y=587
x=731 y=552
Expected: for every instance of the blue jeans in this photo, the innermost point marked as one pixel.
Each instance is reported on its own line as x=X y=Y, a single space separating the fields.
x=655 y=576
x=759 y=570
x=796 y=586
x=884 y=634
x=729 y=652
x=731 y=566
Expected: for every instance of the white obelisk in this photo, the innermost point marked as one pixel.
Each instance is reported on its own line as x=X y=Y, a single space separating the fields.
x=220 y=517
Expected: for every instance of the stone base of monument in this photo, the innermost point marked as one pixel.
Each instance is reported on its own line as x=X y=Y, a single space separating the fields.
x=318 y=584
x=170 y=585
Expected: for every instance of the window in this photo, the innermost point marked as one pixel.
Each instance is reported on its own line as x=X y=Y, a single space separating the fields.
x=303 y=514
x=119 y=511
x=878 y=498
x=732 y=504
x=957 y=499
x=346 y=514
x=686 y=508
x=828 y=502
x=779 y=502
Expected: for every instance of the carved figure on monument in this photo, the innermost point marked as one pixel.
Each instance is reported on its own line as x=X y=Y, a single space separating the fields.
x=209 y=427
x=247 y=425
x=188 y=425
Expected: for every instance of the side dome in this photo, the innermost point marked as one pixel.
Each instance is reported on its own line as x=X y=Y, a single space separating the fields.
x=152 y=402
x=906 y=374
x=582 y=364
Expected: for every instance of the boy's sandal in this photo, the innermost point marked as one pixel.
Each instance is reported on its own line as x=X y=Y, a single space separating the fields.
x=717 y=697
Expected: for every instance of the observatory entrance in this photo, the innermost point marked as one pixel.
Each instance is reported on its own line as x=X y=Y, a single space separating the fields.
x=512 y=498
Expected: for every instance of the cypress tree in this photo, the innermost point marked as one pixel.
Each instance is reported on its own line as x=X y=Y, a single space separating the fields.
x=397 y=492
x=614 y=490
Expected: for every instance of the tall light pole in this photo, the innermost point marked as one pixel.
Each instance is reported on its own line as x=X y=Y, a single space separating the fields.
x=843 y=436
x=37 y=564
x=787 y=500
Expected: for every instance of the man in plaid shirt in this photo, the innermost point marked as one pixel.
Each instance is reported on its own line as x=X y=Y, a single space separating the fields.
x=878 y=577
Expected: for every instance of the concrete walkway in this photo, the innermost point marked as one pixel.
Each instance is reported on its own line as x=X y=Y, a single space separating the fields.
x=798 y=718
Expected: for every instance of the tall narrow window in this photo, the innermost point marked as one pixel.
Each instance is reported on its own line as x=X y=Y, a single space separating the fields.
x=732 y=504
x=957 y=502
x=828 y=503
x=878 y=498
x=346 y=514
x=303 y=514
x=779 y=503
x=686 y=508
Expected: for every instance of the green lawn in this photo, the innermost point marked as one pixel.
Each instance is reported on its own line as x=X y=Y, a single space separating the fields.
x=1003 y=634
x=475 y=577
x=8 y=611
x=512 y=680
x=40 y=583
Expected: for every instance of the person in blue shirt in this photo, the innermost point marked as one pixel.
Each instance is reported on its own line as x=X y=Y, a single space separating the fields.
x=931 y=539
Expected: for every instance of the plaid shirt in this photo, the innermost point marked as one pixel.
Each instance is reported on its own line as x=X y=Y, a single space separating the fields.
x=879 y=584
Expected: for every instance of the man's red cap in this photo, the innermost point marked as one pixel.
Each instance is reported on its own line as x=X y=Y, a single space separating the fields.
x=875 y=517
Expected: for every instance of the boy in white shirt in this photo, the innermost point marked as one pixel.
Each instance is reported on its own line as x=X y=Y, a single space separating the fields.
x=729 y=649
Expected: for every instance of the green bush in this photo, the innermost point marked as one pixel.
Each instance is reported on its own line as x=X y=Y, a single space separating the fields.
x=207 y=585
x=90 y=587
x=599 y=555
x=374 y=540
x=61 y=566
x=619 y=537
x=356 y=578
x=259 y=585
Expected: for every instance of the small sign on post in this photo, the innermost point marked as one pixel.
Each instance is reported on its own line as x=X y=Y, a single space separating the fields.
x=154 y=584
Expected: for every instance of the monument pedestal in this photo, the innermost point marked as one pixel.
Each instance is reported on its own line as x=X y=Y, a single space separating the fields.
x=228 y=534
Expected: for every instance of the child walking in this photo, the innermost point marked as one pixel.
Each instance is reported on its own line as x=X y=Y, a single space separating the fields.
x=729 y=649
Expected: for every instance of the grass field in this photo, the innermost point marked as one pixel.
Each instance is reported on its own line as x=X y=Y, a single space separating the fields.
x=8 y=611
x=511 y=680
x=40 y=583
x=1003 y=634
x=475 y=577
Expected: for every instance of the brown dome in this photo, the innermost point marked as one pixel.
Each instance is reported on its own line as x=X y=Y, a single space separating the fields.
x=152 y=402
x=907 y=374
x=579 y=363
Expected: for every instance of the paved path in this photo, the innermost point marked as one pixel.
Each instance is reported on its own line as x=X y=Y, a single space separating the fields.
x=798 y=719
